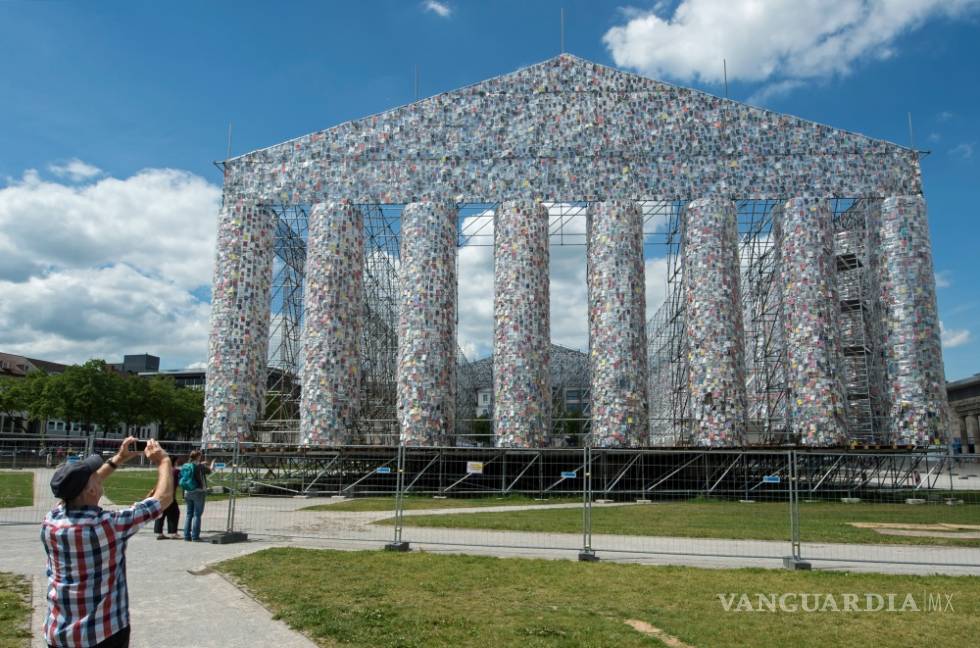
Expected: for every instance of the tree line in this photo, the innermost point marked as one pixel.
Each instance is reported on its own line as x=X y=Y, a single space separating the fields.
x=95 y=394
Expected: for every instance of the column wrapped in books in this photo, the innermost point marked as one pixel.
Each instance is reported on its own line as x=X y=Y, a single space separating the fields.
x=817 y=406
x=333 y=313
x=617 y=325
x=521 y=331
x=427 y=323
x=234 y=396
x=713 y=326
x=916 y=383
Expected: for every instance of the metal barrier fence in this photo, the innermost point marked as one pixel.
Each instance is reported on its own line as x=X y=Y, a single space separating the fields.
x=885 y=506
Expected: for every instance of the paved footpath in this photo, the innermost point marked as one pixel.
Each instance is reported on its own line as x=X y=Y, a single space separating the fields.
x=171 y=606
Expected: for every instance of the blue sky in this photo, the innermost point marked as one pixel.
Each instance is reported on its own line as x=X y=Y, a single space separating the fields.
x=113 y=113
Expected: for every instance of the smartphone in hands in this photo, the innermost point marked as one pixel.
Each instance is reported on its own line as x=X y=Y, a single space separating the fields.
x=138 y=445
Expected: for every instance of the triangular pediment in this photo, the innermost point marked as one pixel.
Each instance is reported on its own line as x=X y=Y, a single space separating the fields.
x=542 y=129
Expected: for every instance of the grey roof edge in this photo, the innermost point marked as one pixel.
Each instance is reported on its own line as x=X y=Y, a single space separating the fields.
x=964 y=382
x=546 y=62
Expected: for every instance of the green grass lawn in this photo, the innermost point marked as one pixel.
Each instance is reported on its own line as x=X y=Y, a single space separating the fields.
x=15 y=611
x=132 y=485
x=819 y=521
x=419 y=502
x=418 y=599
x=16 y=489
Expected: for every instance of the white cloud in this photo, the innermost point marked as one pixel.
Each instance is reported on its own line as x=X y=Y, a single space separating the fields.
x=72 y=316
x=963 y=150
x=569 y=297
x=943 y=280
x=75 y=170
x=107 y=267
x=160 y=221
x=944 y=116
x=772 y=91
x=656 y=284
x=475 y=267
x=766 y=40
x=935 y=137
x=441 y=9
x=952 y=338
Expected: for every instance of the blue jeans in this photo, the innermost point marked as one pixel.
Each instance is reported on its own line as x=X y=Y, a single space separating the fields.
x=195 y=507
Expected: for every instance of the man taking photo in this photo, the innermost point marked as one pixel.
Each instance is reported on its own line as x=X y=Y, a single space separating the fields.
x=88 y=602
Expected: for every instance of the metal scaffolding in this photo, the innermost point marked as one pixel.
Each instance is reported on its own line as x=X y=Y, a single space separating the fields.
x=765 y=354
x=670 y=420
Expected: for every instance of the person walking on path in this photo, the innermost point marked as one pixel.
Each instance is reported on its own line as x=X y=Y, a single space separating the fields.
x=171 y=514
x=88 y=600
x=194 y=483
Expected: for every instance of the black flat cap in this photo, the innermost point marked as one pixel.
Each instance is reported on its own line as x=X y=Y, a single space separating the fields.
x=70 y=480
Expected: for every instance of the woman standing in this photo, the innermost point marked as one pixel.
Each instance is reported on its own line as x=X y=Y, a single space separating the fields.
x=171 y=513
x=194 y=482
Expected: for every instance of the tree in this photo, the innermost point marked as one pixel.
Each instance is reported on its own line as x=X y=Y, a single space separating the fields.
x=34 y=395
x=180 y=411
x=188 y=412
x=93 y=393
x=160 y=400
x=84 y=393
x=12 y=396
x=134 y=403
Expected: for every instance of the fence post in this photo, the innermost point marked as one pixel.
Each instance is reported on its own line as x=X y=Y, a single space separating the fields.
x=398 y=544
x=795 y=560
x=587 y=554
x=230 y=535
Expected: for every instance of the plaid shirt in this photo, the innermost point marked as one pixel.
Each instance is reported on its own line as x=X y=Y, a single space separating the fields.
x=87 y=597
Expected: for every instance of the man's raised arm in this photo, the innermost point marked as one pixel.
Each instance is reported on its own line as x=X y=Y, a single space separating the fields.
x=121 y=457
x=164 y=490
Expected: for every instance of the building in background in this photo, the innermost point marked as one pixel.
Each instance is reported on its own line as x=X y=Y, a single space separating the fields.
x=18 y=367
x=569 y=376
x=964 y=401
x=134 y=364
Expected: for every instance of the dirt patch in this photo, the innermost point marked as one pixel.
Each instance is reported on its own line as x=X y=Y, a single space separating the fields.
x=647 y=629
x=916 y=527
x=954 y=531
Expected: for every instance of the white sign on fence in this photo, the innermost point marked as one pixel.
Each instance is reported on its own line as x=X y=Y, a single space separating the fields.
x=474 y=467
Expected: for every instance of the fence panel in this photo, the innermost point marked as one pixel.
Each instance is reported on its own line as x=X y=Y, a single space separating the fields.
x=493 y=497
x=717 y=505
x=890 y=507
x=343 y=493
x=710 y=503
